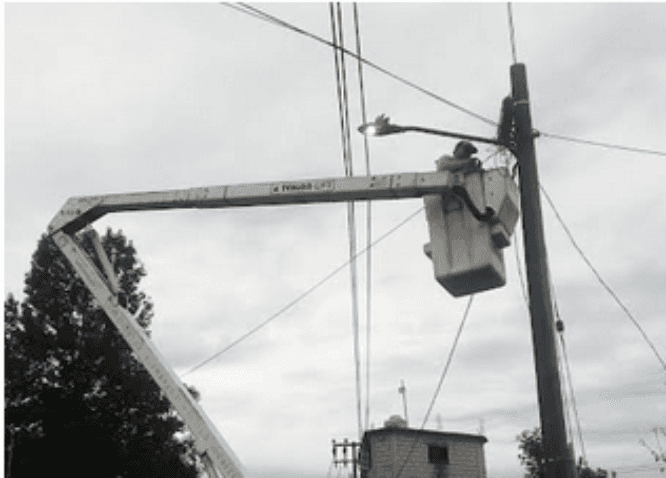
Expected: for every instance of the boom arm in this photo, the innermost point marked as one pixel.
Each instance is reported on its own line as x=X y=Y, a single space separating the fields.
x=79 y=212
x=208 y=440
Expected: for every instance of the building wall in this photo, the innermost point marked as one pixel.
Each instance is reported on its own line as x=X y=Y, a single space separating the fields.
x=390 y=448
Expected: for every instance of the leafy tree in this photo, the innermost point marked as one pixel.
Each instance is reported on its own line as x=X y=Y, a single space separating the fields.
x=529 y=444
x=77 y=402
x=531 y=456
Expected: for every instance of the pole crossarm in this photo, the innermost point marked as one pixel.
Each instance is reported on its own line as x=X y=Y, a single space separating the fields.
x=78 y=212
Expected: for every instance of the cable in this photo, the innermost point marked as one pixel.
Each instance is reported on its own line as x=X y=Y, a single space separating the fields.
x=564 y=354
x=573 y=396
x=512 y=40
x=368 y=229
x=565 y=397
x=271 y=19
x=523 y=289
x=304 y=294
x=603 y=145
x=600 y=279
x=439 y=384
x=512 y=37
x=563 y=363
x=255 y=12
x=339 y=86
x=343 y=104
x=448 y=361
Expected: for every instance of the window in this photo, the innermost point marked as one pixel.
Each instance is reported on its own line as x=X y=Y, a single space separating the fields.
x=438 y=454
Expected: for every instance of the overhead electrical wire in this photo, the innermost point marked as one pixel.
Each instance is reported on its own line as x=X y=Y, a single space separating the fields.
x=603 y=145
x=272 y=19
x=512 y=34
x=255 y=12
x=368 y=229
x=512 y=41
x=600 y=279
x=571 y=389
x=523 y=287
x=302 y=296
x=343 y=106
x=439 y=383
x=564 y=367
x=566 y=371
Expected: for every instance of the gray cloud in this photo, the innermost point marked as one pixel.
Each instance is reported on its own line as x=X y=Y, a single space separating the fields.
x=112 y=98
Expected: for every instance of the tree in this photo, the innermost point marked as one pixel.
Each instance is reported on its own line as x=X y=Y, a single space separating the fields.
x=659 y=456
x=531 y=456
x=77 y=402
x=529 y=444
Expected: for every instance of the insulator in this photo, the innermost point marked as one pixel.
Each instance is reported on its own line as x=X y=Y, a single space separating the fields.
x=559 y=325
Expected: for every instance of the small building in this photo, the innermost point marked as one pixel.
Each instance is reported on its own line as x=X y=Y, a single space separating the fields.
x=412 y=453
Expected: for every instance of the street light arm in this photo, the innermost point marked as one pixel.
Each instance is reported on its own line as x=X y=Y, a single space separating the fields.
x=451 y=134
x=382 y=127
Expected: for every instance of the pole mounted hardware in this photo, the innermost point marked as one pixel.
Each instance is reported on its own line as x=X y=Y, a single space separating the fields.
x=354 y=459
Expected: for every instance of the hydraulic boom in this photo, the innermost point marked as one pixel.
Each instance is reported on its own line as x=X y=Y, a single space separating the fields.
x=80 y=212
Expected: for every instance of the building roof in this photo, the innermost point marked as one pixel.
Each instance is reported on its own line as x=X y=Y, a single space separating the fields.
x=416 y=431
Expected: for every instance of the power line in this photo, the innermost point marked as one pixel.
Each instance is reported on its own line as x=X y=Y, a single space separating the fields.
x=523 y=288
x=329 y=276
x=564 y=354
x=560 y=330
x=441 y=381
x=255 y=12
x=603 y=145
x=448 y=361
x=343 y=103
x=512 y=40
x=600 y=279
x=272 y=19
x=512 y=37
x=368 y=233
x=573 y=396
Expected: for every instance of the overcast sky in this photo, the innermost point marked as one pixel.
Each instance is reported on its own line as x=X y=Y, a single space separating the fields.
x=110 y=98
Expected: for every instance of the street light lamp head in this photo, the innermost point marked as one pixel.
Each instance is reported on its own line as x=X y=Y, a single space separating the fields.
x=380 y=127
x=368 y=129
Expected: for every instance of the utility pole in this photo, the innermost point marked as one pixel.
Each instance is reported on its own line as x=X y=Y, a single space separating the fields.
x=559 y=462
x=353 y=455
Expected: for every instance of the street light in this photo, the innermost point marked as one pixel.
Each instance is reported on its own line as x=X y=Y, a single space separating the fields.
x=382 y=127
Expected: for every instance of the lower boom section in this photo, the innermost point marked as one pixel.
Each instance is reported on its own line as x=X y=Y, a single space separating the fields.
x=208 y=440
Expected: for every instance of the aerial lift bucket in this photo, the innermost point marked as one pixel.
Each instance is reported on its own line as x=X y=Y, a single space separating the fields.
x=466 y=250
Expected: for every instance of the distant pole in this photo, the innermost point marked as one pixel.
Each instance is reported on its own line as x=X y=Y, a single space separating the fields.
x=559 y=462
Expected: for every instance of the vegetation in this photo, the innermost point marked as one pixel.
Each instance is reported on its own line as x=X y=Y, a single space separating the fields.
x=77 y=402
x=659 y=456
x=531 y=457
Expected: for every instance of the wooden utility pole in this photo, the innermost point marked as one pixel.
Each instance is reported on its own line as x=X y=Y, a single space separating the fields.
x=353 y=455
x=559 y=463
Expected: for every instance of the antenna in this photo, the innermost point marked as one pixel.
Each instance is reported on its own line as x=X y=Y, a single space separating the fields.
x=403 y=391
x=440 y=422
